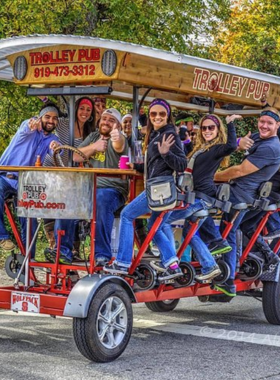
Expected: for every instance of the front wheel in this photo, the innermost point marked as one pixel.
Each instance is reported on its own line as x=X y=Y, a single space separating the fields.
x=104 y=334
x=271 y=302
x=162 y=306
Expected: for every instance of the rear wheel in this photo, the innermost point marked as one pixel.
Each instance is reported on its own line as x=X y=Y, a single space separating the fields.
x=271 y=301
x=162 y=306
x=104 y=334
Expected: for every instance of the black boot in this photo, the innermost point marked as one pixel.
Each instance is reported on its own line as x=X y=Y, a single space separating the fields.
x=269 y=256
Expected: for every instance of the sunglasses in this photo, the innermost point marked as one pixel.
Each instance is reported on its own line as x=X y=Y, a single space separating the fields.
x=161 y=114
x=211 y=128
x=193 y=134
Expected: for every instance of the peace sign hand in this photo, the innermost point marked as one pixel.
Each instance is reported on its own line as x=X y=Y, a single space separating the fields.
x=166 y=144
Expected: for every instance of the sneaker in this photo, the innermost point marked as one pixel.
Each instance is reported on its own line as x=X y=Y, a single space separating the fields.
x=101 y=261
x=115 y=269
x=272 y=235
x=158 y=266
x=170 y=274
x=212 y=273
x=50 y=255
x=219 y=247
x=229 y=290
x=7 y=245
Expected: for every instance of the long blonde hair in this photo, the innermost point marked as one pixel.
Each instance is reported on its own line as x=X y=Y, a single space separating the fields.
x=220 y=139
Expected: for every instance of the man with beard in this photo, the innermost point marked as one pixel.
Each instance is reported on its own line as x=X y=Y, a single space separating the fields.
x=33 y=138
x=104 y=149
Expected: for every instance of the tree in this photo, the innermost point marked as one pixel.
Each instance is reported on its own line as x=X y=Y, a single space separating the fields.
x=250 y=36
x=179 y=25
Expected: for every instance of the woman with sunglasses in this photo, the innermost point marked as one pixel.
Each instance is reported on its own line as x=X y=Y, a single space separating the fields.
x=164 y=156
x=212 y=147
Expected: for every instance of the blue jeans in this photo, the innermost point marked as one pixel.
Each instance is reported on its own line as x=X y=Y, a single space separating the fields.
x=208 y=231
x=8 y=187
x=133 y=210
x=204 y=256
x=108 y=201
x=231 y=257
x=273 y=222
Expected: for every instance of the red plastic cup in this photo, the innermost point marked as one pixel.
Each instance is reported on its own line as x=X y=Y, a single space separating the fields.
x=123 y=161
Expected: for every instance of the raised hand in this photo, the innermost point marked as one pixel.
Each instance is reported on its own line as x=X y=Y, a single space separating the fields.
x=166 y=144
x=35 y=124
x=231 y=118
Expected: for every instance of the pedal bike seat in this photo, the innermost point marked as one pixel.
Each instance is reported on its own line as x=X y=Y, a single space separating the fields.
x=240 y=206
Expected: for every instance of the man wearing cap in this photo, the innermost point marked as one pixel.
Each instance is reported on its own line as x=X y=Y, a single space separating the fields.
x=33 y=138
x=104 y=149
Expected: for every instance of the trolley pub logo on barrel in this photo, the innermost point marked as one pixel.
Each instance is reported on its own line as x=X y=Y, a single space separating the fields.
x=65 y=63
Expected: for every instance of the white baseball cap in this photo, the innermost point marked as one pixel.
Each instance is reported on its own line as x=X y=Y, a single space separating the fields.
x=113 y=112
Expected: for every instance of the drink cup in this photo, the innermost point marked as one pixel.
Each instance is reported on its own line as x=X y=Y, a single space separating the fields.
x=123 y=161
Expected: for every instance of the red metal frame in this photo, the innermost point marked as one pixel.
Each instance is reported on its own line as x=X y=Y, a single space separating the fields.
x=57 y=286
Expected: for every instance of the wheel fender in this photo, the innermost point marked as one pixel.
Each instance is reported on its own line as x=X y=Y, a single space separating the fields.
x=271 y=276
x=79 y=299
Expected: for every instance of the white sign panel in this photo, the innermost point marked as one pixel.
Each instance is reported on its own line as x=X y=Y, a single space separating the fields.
x=25 y=302
x=55 y=195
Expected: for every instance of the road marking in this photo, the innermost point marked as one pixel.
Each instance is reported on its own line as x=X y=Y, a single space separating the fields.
x=210 y=332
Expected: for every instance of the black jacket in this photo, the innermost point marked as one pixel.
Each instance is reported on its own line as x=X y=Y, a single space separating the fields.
x=163 y=165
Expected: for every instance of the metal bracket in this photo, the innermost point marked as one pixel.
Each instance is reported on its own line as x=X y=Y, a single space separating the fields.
x=71 y=90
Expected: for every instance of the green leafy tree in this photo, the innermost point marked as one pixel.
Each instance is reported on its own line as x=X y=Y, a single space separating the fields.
x=250 y=36
x=179 y=25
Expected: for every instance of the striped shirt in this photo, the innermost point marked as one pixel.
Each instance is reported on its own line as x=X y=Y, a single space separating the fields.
x=62 y=131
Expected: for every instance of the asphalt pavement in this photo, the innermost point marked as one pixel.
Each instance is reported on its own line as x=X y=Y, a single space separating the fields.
x=195 y=341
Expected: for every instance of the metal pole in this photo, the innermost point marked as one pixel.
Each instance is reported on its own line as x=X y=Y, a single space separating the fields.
x=71 y=126
x=135 y=117
x=26 y=278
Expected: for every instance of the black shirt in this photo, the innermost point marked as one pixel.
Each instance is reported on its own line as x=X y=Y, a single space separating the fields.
x=207 y=163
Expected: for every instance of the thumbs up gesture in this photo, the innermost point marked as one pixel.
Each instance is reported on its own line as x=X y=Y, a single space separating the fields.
x=115 y=133
x=246 y=142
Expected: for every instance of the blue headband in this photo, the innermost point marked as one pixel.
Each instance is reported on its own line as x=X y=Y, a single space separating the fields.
x=271 y=114
x=162 y=103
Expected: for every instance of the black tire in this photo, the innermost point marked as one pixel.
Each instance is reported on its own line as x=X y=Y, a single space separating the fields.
x=13 y=265
x=102 y=319
x=146 y=277
x=250 y=269
x=222 y=278
x=271 y=302
x=162 y=306
x=188 y=274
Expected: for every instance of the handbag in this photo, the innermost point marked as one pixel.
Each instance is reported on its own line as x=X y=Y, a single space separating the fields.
x=161 y=193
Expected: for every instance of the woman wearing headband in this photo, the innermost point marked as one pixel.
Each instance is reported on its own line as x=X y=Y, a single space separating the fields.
x=212 y=147
x=164 y=156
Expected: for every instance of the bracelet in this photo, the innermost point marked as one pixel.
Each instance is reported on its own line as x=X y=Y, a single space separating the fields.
x=238 y=141
x=45 y=99
x=187 y=141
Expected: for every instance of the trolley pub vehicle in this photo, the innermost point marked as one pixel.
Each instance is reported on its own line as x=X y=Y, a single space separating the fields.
x=101 y=304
